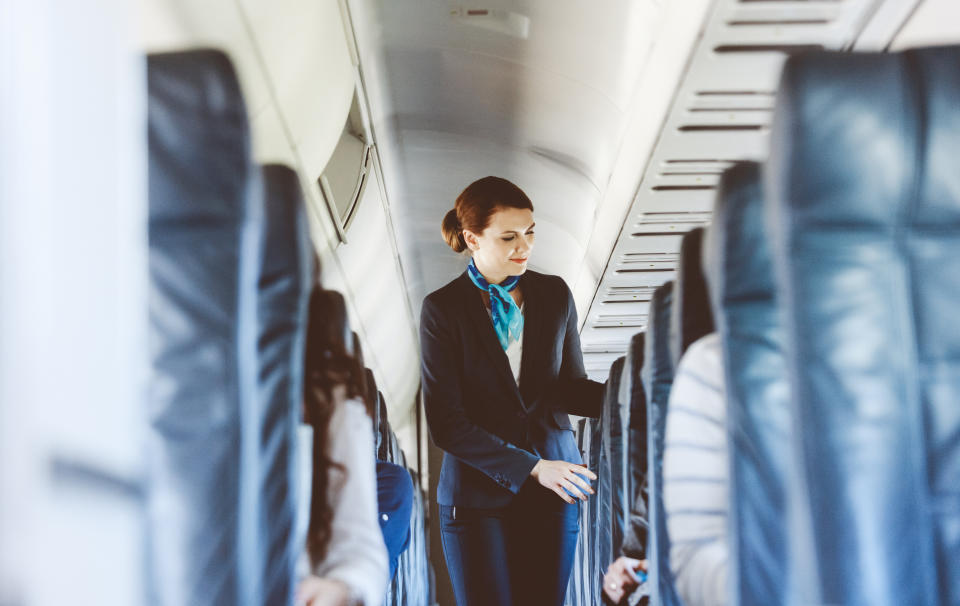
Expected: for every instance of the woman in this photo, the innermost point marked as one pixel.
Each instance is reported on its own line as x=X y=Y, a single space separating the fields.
x=502 y=367
x=344 y=545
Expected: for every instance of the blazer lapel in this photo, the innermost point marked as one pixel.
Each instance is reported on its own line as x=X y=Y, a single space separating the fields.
x=487 y=335
x=532 y=337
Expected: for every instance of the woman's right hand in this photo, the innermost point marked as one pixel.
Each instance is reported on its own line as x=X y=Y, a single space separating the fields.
x=560 y=475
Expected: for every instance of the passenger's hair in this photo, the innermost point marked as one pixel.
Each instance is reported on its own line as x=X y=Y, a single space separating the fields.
x=476 y=204
x=327 y=365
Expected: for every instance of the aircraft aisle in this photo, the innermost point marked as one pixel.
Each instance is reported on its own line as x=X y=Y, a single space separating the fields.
x=165 y=221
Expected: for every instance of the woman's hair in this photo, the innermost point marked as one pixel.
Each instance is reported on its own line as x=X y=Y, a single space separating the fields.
x=327 y=365
x=476 y=204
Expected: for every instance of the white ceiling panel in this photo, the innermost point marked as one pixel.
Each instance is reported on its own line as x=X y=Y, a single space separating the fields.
x=537 y=92
x=721 y=114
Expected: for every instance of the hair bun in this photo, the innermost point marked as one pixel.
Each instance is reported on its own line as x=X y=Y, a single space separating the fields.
x=453 y=231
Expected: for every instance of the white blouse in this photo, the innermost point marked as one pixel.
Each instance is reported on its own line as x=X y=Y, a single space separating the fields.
x=356 y=554
x=514 y=355
x=514 y=350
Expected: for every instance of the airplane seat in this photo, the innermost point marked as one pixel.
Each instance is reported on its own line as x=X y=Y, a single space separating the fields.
x=284 y=289
x=692 y=317
x=620 y=444
x=357 y=348
x=609 y=484
x=576 y=591
x=205 y=202
x=386 y=450
x=336 y=329
x=637 y=436
x=657 y=376
x=379 y=415
x=589 y=512
x=864 y=187
x=740 y=277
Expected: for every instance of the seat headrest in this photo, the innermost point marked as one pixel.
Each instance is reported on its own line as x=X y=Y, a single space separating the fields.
x=634 y=366
x=692 y=317
x=626 y=383
x=197 y=127
x=859 y=137
x=657 y=362
x=735 y=252
x=356 y=348
x=331 y=327
x=370 y=388
x=614 y=389
x=370 y=384
x=284 y=217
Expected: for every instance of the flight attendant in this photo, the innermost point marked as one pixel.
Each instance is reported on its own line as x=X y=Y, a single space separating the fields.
x=501 y=368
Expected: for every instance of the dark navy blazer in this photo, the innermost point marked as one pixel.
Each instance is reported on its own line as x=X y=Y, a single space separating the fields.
x=493 y=432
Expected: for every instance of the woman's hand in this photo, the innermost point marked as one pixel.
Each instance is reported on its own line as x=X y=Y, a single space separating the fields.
x=621 y=578
x=318 y=591
x=560 y=475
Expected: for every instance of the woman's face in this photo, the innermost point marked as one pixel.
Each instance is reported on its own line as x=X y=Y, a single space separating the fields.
x=504 y=246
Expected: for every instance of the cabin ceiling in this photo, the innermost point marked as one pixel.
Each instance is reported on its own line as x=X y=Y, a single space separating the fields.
x=561 y=111
x=465 y=97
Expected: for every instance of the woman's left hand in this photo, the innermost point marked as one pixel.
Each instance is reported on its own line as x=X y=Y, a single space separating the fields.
x=564 y=479
x=318 y=591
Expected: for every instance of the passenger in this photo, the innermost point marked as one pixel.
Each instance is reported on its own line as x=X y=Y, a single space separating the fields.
x=502 y=367
x=624 y=576
x=395 y=506
x=696 y=476
x=345 y=552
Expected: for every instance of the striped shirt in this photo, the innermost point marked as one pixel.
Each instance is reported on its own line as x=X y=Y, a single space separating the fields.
x=696 y=476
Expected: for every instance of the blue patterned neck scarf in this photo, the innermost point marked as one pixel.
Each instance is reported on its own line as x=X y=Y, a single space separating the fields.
x=507 y=319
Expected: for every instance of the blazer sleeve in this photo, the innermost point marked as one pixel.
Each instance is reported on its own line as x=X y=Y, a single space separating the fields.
x=576 y=393
x=450 y=428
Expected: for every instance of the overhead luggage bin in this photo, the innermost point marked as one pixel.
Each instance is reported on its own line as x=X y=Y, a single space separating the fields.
x=864 y=191
x=205 y=250
x=737 y=264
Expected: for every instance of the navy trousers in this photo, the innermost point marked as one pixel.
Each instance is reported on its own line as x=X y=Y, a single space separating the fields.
x=518 y=555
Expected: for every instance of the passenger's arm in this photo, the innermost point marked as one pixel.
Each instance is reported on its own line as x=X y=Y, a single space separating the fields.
x=696 y=476
x=576 y=393
x=356 y=555
x=449 y=426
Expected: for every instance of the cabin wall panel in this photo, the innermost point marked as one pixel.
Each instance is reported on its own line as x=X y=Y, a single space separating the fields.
x=298 y=76
x=364 y=267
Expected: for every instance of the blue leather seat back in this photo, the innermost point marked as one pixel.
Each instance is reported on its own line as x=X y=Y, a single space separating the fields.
x=336 y=326
x=692 y=317
x=380 y=422
x=576 y=590
x=284 y=284
x=740 y=275
x=865 y=189
x=594 y=579
x=657 y=378
x=619 y=443
x=204 y=260
x=609 y=493
x=637 y=433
